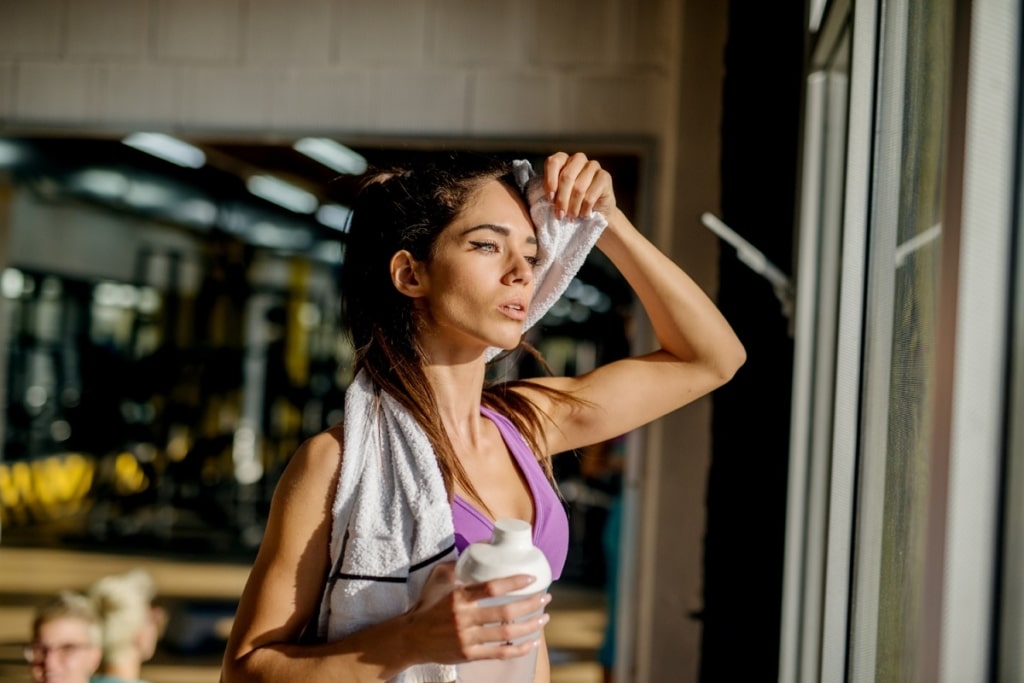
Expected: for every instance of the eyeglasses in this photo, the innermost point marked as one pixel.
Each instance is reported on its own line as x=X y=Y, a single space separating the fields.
x=36 y=653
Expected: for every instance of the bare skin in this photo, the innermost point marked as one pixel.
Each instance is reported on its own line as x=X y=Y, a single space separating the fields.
x=66 y=653
x=472 y=296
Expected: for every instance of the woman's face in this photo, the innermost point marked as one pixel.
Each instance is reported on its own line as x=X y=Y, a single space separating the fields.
x=61 y=652
x=149 y=635
x=479 y=282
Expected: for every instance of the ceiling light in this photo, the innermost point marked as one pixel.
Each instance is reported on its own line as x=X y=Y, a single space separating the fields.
x=273 y=236
x=12 y=283
x=10 y=154
x=281 y=193
x=334 y=216
x=143 y=194
x=332 y=154
x=167 y=148
x=197 y=212
x=100 y=182
x=328 y=252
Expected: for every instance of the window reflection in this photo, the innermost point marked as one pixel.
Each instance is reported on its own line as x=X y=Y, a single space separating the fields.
x=167 y=339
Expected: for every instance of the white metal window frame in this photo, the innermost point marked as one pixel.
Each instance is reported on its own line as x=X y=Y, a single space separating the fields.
x=964 y=503
x=816 y=329
x=849 y=348
x=883 y=217
x=843 y=645
x=839 y=124
x=976 y=434
x=1011 y=619
x=800 y=591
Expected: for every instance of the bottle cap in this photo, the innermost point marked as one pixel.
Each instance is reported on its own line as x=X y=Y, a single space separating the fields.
x=509 y=552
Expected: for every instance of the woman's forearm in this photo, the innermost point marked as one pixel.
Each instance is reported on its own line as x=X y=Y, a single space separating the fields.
x=686 y=323
x=447 y=625
x=378 y=653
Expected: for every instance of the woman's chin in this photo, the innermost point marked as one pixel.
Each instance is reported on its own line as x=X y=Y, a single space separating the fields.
x=509 y=344
x=504 y=346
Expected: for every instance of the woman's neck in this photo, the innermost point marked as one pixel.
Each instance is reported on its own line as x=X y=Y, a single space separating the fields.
x=457 y=393
x=124 y=669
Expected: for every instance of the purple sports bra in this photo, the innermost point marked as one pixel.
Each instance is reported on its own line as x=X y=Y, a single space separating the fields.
x=550 y=524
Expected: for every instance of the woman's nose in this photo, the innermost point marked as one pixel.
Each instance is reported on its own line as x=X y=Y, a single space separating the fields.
x=521 y=269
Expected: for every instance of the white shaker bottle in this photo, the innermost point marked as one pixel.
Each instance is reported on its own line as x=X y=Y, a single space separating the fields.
x=509 y=552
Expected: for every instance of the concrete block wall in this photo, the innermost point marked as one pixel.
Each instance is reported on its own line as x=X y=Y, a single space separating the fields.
x=644 y=73
x=401 y=67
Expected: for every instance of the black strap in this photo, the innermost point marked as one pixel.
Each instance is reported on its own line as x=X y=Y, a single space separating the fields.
x=392 y=579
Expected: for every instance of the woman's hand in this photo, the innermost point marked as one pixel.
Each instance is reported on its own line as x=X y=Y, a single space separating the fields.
x=577 y=185
x=448 y=625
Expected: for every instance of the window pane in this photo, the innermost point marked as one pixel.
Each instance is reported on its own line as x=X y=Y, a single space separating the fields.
x=928 y=49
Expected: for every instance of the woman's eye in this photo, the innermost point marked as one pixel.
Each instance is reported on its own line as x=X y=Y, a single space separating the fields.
x=489 y=247
x=534 y=261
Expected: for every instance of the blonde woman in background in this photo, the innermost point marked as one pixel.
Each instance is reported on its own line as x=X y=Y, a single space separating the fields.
x=65 y=645
x=131 y=625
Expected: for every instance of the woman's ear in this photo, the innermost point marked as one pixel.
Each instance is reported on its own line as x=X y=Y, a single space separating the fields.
x=407 y=275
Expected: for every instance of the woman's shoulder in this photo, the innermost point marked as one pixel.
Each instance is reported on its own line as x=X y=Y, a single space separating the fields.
x=327 y=443
x=319 y=456
x=308 y=482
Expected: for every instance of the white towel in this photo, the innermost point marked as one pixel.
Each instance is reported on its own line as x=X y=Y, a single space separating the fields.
x=563 y=245
x=399 y=522
x=392 y=522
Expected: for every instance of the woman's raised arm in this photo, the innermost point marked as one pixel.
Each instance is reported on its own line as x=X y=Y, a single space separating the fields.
x=698 y=349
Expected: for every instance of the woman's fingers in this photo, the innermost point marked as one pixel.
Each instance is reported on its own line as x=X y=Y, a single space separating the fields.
x=462 y=622
x=512 y=611
x=577 y=185
x=497 y=638
x=569 y=181
x=483 y=603
x=552 y=172
x=497 y=587
x=505 y=638
x=490 y=630
x=501 y=649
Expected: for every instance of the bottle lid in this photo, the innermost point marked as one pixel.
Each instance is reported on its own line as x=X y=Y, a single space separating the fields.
x=509 y=552
x=512 y=533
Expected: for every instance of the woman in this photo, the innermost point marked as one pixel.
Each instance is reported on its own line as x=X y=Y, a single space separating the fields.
x=131 y=624
x=440 y=272
x=65 y=643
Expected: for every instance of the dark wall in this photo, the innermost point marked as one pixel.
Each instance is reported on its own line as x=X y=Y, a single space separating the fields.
x=744 y=550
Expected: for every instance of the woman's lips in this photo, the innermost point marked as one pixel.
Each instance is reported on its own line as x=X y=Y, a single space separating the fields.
x=514 y=310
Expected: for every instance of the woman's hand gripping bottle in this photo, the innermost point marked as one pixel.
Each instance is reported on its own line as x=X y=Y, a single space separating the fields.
x=510 y=551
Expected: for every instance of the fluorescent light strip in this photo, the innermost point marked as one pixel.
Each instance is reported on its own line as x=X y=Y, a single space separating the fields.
x=276 y=237
x=281 y=193
x=332 y=154
x=100 y=182
x=167 y=148
x=9 y=153
x=334 y=216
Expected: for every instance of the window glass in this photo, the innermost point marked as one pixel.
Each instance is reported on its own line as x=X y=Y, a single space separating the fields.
x=926 y=78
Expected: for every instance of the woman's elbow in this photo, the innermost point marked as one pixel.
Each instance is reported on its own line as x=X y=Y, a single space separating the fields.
x=730 y=360
x=237 y=667
x=232 y=670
